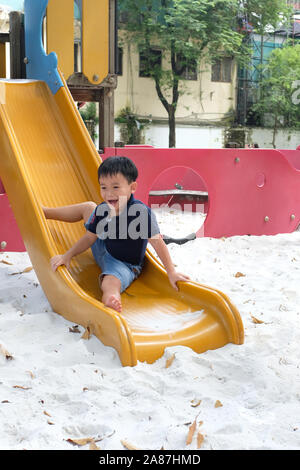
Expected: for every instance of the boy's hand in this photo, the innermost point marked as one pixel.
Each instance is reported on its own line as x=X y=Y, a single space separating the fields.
x=164 y=255
x=175 y=276
x=60 y=260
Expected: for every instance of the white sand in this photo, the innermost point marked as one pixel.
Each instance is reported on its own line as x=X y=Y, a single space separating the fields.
x=56 y=386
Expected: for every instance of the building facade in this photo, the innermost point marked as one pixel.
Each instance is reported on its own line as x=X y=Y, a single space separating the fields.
x=208 y=92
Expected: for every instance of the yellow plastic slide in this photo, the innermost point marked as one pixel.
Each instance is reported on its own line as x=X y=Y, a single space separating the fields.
x=47 y=158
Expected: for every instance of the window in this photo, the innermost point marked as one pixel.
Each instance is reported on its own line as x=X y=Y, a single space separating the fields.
x=119 y=61
x=188 y=67
x=221 y=70
x=148 y=61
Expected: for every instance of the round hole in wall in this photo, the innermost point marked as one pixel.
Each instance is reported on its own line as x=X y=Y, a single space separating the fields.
x=180 y=200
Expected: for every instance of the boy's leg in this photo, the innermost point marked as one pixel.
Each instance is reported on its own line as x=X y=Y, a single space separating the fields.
x=72 y=213
x=111 y=288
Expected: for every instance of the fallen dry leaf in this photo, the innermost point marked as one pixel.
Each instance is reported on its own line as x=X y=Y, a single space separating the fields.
x=88 y=440
x=218 y=404
x=256 y=320
x=5 y=353
x=170 y=360
x=21 y=387
x=46 y=413
x=81 y=442
x=6 y=262
x=93 y=445
x=238 y=274
x=27 y=270
x=191 y=432
x=128 y=445
x=88 y=331
x=31 y=374
x=200 y=439
x=195 y=403
x=74 y=329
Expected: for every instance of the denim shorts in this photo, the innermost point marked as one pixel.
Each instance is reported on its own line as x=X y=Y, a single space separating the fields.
x=109 y=265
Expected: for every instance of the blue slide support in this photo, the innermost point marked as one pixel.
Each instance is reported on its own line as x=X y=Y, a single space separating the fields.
x=39 y=65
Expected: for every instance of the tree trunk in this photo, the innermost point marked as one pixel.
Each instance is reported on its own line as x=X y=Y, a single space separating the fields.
x=172 y=127
x=275 y=132
x=171 y=109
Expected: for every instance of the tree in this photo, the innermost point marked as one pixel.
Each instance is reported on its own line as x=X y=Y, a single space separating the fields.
x=187 y=32
x=263 y=14
x=279 y=89
x=266 y=16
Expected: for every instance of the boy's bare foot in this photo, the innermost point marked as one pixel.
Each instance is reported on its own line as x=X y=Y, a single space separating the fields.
x=114 y=302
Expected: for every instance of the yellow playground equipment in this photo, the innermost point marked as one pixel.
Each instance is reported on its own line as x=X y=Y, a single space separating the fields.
x=48 y=158
x=95 y=20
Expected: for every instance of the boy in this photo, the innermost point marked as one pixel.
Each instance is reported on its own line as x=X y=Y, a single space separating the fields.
x=118 y=231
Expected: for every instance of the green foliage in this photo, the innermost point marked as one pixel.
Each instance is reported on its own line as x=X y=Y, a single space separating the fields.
x=89 y=112
x=185 y=29
x=278 y=88
x=190 y=31
x=262 y=14
x=90 y=118
x=131 y=127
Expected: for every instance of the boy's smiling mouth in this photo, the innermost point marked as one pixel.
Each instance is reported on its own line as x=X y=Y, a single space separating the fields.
x=113 y=204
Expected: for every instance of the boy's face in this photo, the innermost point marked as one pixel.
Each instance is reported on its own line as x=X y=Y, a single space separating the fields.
x=116 y=191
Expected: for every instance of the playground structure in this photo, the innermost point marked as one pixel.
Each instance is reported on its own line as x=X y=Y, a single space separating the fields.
x=48 y=158
x=242 y=191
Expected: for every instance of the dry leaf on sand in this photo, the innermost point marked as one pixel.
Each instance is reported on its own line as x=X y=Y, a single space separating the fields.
x=27 y=270
x=256 y=320
x=170 y=360
x=128 y=445
x=89 y=331
x=191 y=432
x=218 y=404
x=21 y=387
x=89 y=440
x=81 y=442
x=195 y=403
x=5 y=353
x=200 y=439
x=238 y=274
x=93 y=446
x=74 y=329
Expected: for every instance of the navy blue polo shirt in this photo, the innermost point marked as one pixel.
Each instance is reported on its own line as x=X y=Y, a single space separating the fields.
x=126 y=235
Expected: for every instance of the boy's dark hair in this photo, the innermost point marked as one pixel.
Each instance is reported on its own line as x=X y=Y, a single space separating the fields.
x=113 y=165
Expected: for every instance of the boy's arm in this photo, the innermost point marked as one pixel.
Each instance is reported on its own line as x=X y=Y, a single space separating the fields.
x=162 y=251
x=81 y=245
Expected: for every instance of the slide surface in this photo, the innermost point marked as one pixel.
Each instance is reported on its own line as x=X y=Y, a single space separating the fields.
x=48 y=158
